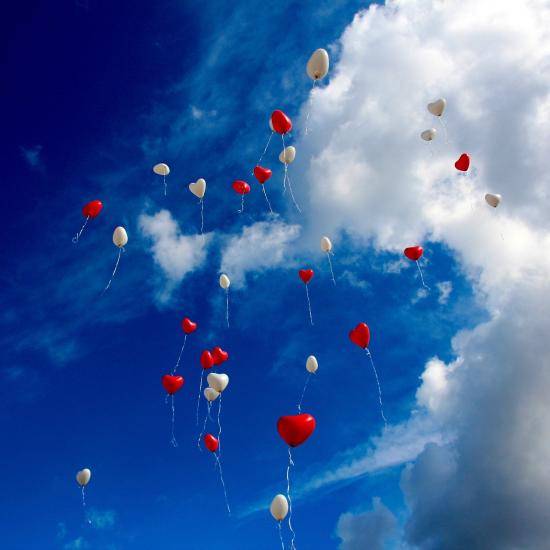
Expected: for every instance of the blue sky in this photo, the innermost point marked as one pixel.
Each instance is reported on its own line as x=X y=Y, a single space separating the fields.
x=98 y=92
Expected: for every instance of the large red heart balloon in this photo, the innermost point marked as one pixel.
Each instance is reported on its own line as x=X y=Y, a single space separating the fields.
x=463 y=162
x=211 y=442
x=92 y=209
x=306 y=275
x=262 y=174
x=295 y=428
x=413 y=252
x=360 y=335
x=188 y=326
x=241 y=187
x=280 y=122
x=172 y=383
x=219 y=356
x=207 y=361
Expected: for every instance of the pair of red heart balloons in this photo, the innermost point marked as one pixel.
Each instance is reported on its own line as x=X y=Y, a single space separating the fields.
x=188 y=326
x=172 y=383
x=306 y=275
x=294 y=429
x=215 y=357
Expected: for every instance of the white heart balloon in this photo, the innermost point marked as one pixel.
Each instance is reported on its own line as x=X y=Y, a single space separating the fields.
x=83 y=477
x=311 y=364
x=288 y=154
x=317 y=66
x=279 y=507
x=224 y=281
x=428 y=135
x=198 y=188
x=120 y=237
x=326 y=244
x=211 y=394
x=437 y=107
x=493 y=200
x=218 y=381
x=161 y=169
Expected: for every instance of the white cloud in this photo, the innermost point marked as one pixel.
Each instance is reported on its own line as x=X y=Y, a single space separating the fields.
x=177 y=255
x=445 y=288
x=259 y=247
x=101 y=519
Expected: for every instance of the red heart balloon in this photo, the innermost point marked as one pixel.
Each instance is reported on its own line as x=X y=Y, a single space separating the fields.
x=172 y=383
x=188 y=326
x=413 y=252
x=211 y=442
x=306 y=275
x=296 y=428
x=241 y=187
x=280 y=122
x=219 y=356
x=463 y=162
x=207 y=361
x=92 y=209
x=262 y=174
x=360 y=335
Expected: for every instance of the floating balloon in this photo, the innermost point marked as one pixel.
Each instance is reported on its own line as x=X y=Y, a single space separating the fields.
x=172 y=384
x=429 y=135
x=311 y=367
x=198 y=188
x=207 y=361
x=492 y=200
x=414 y=253
x=242 y=188
x=306 y=275
x=83 y=478
x=211 y=394
x=120 y=239
x=287 y=156
x=262 y=175
x=163 y=170
x=218 y=381
x=326 y=247
x=463 y=163
x=280 y=122
x=89 y=211
x=225 y=284
x=211 y=443
x=219 y=356
x=360 y=336
x=318 y=65
x=279 y=507
x=437 y=108
x=188 y=327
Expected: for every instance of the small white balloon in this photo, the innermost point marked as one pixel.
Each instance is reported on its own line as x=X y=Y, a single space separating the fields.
x=493 y=200
x=437 y=107
x=161 y=169
x=211 y=394
x=224 y=281
x=326 y=244
x=217 y=381
x=429 y=134
x=288 y=154
x=318 y=64
x=198 y=188
x=120 y=237
x=83 y=477
x=279 y=507
x=271 y=125
x=311 y=364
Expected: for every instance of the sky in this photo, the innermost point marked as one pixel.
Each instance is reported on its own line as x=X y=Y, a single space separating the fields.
x=97 y=93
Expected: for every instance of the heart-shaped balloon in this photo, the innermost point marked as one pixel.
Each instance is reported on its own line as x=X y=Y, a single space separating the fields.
x=241 y=187
x=219 y=356
x=288 y=154
x=218 y=381
x=413 y=252
x=198 y=188
x=211 y=394
x=188 y=326
x=280 y=123
x=311 y=364
x=429 y=134
x=262 y=174
x=360 y=335
x=463 y=162
x=83 y=477
x=306 y=275
x=493 y=199
x=295 y=428
x=437 y=107
x=172 y=383
x=207 y=361
x=211 y=442
x=92 y=209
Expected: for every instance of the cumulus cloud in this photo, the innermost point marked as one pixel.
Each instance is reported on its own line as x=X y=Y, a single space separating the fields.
x=445 y=288
x=259 y=247
x=484 y=484
x=177 y=255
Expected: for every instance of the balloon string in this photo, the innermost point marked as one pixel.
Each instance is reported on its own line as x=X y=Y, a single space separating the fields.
x=444 y=129
x=331 y=271
x=206 y=417
x=292 y=194
x=242 y=205
x=77 y=236
x=265 y=150
x=164 y=180
x=219 y=426
x=84 y=506
x=290 y=463
x=179 y=356
x=379 y=389
x=199 y=396
x=173 y=440
x=422 y=276
x=303 y=393
x=202 y=216
x=121 y=250
x=309 y=306
x=309 y=104
x=227 y=306
x=223 y=483
x=286 y=165
x=267 y=200
x=281 y=534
